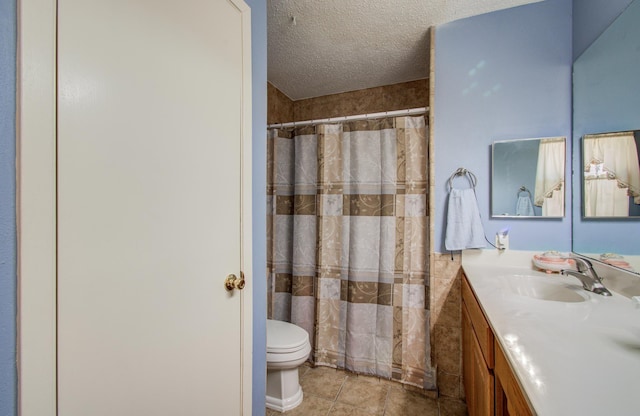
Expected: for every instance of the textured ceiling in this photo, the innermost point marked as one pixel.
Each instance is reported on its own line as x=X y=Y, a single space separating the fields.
x=320 y=47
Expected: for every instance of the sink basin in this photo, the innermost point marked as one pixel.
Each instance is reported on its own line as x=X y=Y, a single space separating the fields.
x=546 y=288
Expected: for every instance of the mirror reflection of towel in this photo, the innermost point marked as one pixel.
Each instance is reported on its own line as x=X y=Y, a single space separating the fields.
x=464 y=227
x=524 y=206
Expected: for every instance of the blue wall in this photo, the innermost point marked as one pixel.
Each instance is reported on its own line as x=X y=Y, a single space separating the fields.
x=500 y=76
x=259 y=278
x=606 y=99
x=591 y=18
x=7 y=208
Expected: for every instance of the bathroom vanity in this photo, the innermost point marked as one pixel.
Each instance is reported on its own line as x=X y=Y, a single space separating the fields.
x=539 y=344
x=489 y=383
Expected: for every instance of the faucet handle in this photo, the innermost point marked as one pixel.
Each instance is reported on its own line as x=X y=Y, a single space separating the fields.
x=582 y=264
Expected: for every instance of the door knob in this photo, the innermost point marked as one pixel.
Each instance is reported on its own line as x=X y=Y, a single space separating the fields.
x=233 y=282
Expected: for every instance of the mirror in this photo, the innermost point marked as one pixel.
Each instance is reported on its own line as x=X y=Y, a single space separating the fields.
x=606 y=98
x=611 y=175
x=528 y=177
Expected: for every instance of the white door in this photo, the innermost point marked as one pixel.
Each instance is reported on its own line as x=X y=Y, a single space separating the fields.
x=149 y=206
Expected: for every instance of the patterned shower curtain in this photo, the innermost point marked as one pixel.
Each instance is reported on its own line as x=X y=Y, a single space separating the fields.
x=348 y=243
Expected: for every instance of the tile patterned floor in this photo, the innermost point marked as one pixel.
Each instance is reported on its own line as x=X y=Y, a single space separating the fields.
x=330 y=392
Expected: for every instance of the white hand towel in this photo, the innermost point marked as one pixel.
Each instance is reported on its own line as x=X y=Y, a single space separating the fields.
x=524 y=206
x=464 y=227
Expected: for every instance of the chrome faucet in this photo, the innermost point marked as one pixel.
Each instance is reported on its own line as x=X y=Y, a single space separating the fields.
x=588 y=276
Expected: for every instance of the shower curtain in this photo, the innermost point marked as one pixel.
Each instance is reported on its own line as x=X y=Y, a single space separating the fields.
x=348 y=243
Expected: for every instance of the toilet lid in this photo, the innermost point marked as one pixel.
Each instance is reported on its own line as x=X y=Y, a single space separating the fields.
x=285 y=337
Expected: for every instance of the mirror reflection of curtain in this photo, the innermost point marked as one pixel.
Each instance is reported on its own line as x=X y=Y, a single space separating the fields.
x=348 y=243
x=611 y=174
x=549 y=190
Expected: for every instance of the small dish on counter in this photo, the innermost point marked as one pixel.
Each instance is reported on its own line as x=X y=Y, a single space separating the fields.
x=552 y=261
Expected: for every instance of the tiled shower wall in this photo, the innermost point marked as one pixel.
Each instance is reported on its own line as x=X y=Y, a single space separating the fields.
x=279 y=106
x=411 y=94
x=372 y=100
x=446 y=328
x=446 y=323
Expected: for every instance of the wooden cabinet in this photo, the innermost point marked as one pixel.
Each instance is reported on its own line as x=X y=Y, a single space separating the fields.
x=489 y=384
x=479 y=323
x=509 y=398
x=478 y=378
x=477 y=356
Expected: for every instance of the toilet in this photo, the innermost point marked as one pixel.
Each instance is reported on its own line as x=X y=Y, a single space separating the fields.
x=287 y=348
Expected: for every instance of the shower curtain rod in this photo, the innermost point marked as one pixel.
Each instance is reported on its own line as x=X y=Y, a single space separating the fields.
x=408 y=112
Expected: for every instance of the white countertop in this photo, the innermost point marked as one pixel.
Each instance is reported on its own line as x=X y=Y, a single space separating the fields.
x=571 y=358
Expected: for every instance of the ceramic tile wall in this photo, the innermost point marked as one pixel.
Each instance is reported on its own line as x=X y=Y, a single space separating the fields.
x=372 y=100
x=279 y=106
x=280 y=109
x=446 y=323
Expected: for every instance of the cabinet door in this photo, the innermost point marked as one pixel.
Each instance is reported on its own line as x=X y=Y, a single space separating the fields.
x=479 y=323
x=509 y=397
x=478 y=380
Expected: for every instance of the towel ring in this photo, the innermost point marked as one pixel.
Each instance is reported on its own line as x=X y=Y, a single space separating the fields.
x=524 y=189
x=463 y=172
